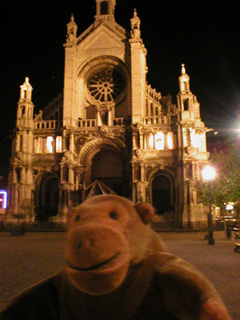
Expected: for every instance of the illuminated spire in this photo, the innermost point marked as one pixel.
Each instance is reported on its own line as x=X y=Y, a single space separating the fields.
x=184 y=79
x=183 y=70
x=26 y=90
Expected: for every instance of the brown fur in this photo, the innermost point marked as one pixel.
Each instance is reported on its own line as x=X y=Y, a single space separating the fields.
x=118 y=268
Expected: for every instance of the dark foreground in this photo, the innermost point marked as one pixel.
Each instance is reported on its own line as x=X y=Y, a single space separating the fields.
x=28 y=259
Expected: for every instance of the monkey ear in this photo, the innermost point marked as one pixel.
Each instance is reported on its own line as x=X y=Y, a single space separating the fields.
x=145 y=211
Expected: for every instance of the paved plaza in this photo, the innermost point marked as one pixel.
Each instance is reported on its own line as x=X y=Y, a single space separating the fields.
x=30 y=258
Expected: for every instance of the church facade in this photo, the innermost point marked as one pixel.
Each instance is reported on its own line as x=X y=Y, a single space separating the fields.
x=108 y=125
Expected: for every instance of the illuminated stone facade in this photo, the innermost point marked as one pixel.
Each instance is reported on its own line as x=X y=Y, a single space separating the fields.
x=109 y=125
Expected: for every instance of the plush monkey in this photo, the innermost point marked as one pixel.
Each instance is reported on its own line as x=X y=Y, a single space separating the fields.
x=117 y=268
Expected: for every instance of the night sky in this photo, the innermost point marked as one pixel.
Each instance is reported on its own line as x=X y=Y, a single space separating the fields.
x=204 y=34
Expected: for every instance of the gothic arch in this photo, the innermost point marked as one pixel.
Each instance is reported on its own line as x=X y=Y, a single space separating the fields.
x=46 y=197
x=162 y=191
x=106 y=160
x=95 y=145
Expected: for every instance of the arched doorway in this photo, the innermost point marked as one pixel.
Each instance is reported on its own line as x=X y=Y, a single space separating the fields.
x=162 y=198
x=47 y=197
x=107 y=166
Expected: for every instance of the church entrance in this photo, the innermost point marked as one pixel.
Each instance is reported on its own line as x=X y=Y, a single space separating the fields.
x=107 y=167
x=162 y=194
x=47 y=197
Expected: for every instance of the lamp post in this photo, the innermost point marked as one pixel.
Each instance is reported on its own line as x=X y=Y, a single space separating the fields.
x=208 y=174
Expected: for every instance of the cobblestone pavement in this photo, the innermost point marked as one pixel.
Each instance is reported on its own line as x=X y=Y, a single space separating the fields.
x=28 y=259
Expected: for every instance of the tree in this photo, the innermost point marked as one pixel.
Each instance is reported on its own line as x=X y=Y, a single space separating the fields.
x=225 y=188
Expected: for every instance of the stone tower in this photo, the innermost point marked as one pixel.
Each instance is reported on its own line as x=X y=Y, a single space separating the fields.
x=21 y=176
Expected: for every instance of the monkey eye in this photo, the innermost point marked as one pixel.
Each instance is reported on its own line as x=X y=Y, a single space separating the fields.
x=77 y=217
x=113 y=215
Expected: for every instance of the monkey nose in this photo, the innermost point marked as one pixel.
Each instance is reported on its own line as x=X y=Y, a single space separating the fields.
x=85 y=244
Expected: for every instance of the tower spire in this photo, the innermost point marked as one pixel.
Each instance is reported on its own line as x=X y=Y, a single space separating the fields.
x=183 y=70
x=184 y=80
x=26 y=91
x=25 y=106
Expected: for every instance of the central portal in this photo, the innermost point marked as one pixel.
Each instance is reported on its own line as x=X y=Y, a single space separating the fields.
x=107 y=166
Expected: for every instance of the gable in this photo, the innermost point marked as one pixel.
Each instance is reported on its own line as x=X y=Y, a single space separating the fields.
x=102 y=38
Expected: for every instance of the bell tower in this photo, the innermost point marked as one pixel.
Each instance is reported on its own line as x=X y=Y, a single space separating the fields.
x=25 y=106
x=21 y=176
x=105 y=10
x=192 y=148
x=187 y=102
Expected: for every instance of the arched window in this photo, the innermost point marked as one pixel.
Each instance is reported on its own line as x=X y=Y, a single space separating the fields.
x=59 y=144
x=170 y=140
x=159 y=140
x=23 y=110
x=104 y=7
x=149 y=141
x=49 y=144
x=184 y=86
x=186 y=105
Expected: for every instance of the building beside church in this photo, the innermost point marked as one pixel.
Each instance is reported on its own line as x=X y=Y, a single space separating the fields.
x=108 y=125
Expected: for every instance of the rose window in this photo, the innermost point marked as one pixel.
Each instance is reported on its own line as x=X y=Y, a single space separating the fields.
x=106 y=85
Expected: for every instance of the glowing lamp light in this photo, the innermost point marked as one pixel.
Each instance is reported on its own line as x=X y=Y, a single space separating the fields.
x=229 y=206
x=208 y=173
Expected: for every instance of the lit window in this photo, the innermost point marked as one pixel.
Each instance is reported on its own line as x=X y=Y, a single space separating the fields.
x=59 y=144
x=150 y=141
x=185 y=140
x=184 y=86
x=195 y=139
x=50 y=144
x=170 y=140
x=38 y=145
x=159 y=141
x=35 y=145
x=202 y=142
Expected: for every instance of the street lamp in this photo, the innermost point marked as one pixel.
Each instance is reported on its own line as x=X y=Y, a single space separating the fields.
x=208 y=174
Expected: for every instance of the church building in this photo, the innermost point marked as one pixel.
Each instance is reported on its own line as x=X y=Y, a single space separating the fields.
x=108 y=125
